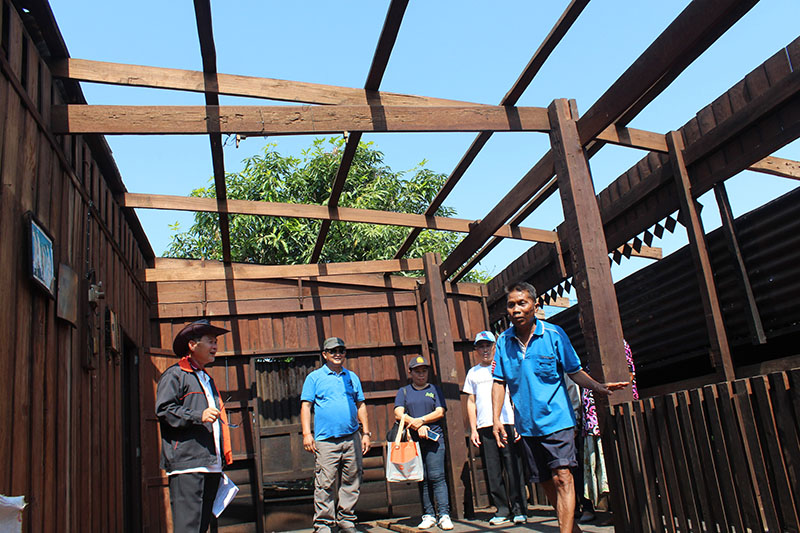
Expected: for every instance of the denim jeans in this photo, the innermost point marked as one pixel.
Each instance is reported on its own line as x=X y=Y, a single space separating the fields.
x=435 y=480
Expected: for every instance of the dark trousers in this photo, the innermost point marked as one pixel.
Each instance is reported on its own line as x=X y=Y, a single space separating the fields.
x=191 y=497
x=508 y=459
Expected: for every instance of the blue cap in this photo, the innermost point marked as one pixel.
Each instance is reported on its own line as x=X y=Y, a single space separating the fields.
x=485 y=336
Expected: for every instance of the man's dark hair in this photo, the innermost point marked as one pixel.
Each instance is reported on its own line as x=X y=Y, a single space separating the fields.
x=522 y=286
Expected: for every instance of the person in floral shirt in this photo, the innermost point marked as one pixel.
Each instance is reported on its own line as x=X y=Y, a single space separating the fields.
x=595 y=481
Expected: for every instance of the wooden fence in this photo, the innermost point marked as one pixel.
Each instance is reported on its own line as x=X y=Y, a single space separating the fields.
x=724 y=457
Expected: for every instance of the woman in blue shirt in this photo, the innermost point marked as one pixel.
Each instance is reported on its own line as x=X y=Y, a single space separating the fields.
x=422 y=406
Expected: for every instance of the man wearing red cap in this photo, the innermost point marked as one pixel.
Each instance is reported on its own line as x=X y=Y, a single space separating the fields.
x=194 y=428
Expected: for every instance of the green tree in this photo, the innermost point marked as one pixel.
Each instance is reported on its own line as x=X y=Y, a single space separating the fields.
x=271 y=177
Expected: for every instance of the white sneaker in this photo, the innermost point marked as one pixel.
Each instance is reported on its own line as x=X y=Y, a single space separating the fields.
x=520 y=519
x=445 y=522
x=498 y=521
x=427 y=522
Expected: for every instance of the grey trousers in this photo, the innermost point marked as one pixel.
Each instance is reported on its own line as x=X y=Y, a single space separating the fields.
x=338 y=463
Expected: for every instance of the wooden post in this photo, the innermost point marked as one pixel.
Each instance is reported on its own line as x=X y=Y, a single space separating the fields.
x=597 y=299
x=719 y=351
x=757 y=335
x=442 y=337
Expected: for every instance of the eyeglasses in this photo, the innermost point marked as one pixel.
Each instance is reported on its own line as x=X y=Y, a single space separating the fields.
x=228 y=423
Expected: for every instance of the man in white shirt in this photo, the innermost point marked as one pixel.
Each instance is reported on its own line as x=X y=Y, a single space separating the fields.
x=478 y=387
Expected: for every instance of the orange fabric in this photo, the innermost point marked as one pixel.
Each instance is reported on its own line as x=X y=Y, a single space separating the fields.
x=185 y=365
x=226 y=433
x=403 y=452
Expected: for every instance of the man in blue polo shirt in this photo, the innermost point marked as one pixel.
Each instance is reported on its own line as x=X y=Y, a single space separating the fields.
x=532 y=359
x=337 y=399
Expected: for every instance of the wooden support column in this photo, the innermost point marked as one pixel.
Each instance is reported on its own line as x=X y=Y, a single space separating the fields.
x=719 y=351
x=597 y=298
x=754 y=324
x=444 y=354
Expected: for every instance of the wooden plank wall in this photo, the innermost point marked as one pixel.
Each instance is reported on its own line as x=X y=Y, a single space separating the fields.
x=278 y=318
x=724 y=456
x=62 y=433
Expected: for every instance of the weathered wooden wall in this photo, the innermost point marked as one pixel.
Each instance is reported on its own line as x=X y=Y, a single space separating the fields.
x=275 y=319
x=63 y=443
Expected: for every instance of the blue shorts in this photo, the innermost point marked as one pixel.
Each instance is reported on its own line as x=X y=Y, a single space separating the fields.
x=547 y=453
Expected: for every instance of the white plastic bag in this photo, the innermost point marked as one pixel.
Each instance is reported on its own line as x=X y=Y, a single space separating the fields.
x=11 y=513
x=403 y=459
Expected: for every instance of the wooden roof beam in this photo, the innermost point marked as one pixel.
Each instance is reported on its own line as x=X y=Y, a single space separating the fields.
x=785 y=168
x=215 y=270
x=233 y=85
x=692 y=31
x=696 y=28
x=530 y=184
x=294 y=120
x=568 y=17
x=321 y=212
x=391 y=26
x=205 y=32
x=529 y=208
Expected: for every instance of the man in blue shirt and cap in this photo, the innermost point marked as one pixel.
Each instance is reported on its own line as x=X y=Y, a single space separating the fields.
x=336 y=396
x=532 y=359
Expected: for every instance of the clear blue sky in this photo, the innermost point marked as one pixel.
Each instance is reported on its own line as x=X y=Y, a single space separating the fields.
x=465 y=50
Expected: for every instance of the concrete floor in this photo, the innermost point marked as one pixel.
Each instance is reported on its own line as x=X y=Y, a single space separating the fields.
x=539 y=520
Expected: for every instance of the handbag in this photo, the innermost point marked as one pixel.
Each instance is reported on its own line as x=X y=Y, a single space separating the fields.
x=403 y=459
x=392 y=433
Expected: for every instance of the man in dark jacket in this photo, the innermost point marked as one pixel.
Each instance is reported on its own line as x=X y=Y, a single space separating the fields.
x=194 y=428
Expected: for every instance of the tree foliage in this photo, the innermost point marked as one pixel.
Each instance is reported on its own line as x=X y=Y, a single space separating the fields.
x=272 y=177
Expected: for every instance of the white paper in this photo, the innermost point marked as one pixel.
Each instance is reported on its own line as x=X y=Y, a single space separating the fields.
x=226 y=492
x=11 y=513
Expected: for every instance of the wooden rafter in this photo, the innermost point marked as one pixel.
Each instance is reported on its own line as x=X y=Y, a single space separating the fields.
x=535 y=202
x=530 y=184
x=646 y=252
x=785 y=168
x=688 y=36
x=511 y=98
x=380 y=59
x=211 y=270
x=213 y=120
x=295 y=120
x=233 y=85
x=321 y=212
